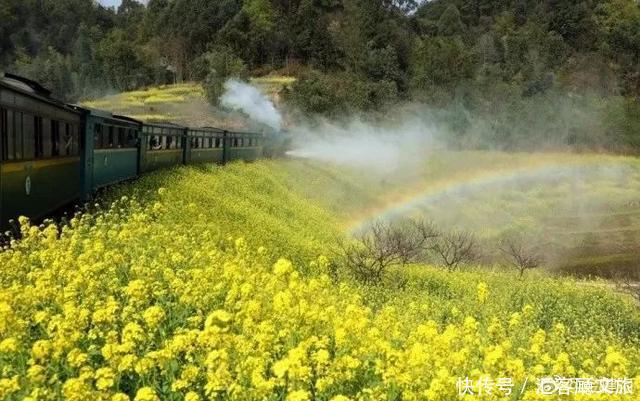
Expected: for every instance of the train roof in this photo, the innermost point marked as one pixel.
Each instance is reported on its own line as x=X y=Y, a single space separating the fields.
x=106 y=114
x=32 y=89
x=165 y=125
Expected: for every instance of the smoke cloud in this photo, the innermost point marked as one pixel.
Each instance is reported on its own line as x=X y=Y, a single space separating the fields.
x=248 y=99
x=360 y=144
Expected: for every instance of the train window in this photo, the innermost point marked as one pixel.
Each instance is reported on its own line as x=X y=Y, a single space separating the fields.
x=235 y=142
x=131 y=138
x=8 y=134
x=155 y=143
x=97 y=137
x=122 y=138
x=3 y=134
x=11 y=134
x=110 y=137
x=55 y=138
x=38 y=140
x=75 y=141
x=169 y=141
x=217 y=142
x=25 y=146
x=66 y=145
x=18 y=134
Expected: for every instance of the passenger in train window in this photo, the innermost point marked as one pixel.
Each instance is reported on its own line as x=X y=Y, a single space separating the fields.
x=155 y=143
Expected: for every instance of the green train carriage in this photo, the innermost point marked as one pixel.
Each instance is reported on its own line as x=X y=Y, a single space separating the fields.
x=243 y=145
x=40 y=146
x=112 y=150
x=205 y=145
x=162 y=146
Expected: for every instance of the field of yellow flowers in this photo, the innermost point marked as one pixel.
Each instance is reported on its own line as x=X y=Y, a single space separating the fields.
x=214 y=284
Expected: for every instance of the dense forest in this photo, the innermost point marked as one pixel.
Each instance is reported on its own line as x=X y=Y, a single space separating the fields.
x=515 y=72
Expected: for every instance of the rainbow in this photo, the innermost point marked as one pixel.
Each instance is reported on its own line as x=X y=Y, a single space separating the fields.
x=547 y=165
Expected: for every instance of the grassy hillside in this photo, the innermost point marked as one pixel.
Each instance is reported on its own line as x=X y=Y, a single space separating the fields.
x=214 y=283
x=183 y=104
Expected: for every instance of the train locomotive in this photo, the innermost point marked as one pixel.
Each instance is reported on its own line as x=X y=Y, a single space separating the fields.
x=53 y=154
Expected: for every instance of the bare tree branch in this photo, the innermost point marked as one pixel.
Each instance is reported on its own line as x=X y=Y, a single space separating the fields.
x=456 y=248
x=520 y=255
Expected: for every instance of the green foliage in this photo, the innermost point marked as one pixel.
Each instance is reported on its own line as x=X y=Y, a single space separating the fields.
x=50 y=68
x=439 y=62
x=120 y=61
x=221 y=64
x=260 y=14
x=472 y=57
x=340 y=94
x=450 y=23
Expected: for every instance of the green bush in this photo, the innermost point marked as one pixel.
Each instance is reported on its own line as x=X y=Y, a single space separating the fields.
x=340 y=94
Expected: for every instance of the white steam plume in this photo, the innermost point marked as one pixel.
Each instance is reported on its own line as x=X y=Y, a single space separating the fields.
x=248 y=99
x=377 y=149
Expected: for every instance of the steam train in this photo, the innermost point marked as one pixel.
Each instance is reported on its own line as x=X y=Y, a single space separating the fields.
x=53 y=154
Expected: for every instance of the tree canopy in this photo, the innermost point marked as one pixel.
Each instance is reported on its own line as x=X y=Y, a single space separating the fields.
x=348 y=54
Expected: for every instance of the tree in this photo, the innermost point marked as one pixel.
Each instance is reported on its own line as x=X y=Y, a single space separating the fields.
x=130 y=15
x=629 y=285
x=450 y=23
x=120 y=61
x=52 y=70
x=221 y=64
x=456 y=248
x=519 y=254
x=385 y=244
x=439 y=62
